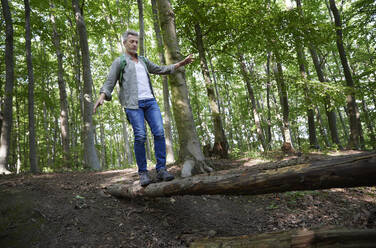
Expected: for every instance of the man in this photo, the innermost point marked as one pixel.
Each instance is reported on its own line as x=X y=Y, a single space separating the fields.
x=137 y=97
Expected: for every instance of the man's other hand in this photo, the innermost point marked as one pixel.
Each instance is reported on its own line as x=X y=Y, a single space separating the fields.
x=99 y=102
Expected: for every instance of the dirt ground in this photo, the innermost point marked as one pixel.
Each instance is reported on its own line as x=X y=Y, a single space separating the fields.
x=73 y=210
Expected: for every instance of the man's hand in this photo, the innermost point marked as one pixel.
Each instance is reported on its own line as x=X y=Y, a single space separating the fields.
x=99 y=102
x=189 y=59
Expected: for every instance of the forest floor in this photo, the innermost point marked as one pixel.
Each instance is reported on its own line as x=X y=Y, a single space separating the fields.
x=72 y=209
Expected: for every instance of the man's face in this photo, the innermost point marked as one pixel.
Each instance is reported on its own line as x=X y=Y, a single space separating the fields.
x=131 y=44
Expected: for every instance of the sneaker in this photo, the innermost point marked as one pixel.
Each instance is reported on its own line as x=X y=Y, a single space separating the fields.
x=164 y=175
x=144 y=179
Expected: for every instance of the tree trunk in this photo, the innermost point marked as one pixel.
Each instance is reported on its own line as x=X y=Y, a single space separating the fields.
x=30 y=73
x=324 y=237
x=310 y=112
x=190 y=151
x=322 y=127
x=268 y=88
x=220 y=147
x=337 y=173
x=343 y=124
x=17 y=138
x=284 y=104
x=302 y=68
x=277 y=110
x=141 y=25
x=170 y=157
x=90 y=155
x=255 y=114
x=230 y=121
x=6 y=128
x=64 y=112
x=369 y=124
x=350 y=99
x=332 y=122
x=127 y=147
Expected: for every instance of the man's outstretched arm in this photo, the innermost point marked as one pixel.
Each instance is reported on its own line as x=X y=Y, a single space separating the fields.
x=189 y=59
x=167 y=69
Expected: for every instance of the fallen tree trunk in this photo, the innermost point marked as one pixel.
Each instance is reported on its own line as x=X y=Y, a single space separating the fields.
x=338 y=173
x=296 y=238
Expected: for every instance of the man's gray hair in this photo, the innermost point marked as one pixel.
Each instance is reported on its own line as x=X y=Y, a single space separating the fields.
x=127 y=33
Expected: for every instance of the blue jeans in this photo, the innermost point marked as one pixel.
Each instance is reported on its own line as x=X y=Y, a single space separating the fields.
x=148 y=110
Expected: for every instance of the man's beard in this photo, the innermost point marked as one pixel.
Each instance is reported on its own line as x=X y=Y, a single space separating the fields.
x=132 y=51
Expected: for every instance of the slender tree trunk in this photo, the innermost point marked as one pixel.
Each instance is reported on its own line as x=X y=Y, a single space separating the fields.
x=220 y=147
x=310 y=112
x=170 y=157
x=32 y=138
x=102 y=138
x=328 y=108
x=55 y=138
x=90 y=155
x=1 y=117
x=255 y=114
x=141 y=25
x=369 y=124
x=268 y=88
x=230 y=119
x=17 y=139
x=127 y=148
x=284 y=104
x=302 y=62
x=322 y=127
x=190 y=151
x=343 y=124
x=278 y=112
x=350 y=99
x=216 y=87
x=64 y=112
x=6 y=128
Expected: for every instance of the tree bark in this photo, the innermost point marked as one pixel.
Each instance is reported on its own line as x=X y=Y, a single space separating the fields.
x=30 y=73
x=337 y=173
x=345 y=130
x=6 y=128
x=350 y=99
x=322 y=127
x=220 y=146
x=323 y=237
x=170 y=156
x=284 y=104
x=255 y=114
x=328 y=108
x=141 y=25
x=190 y=151
x=64 y=112
x=268 y=88
x=90 y=154
x=302 y=68
x=369 y=124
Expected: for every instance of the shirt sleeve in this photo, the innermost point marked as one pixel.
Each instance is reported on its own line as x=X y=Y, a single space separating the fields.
x=158 y=69
x=112 y=78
